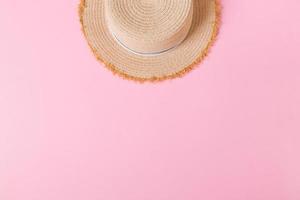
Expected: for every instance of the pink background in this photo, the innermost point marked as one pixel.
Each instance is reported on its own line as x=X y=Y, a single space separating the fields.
x=229 y=130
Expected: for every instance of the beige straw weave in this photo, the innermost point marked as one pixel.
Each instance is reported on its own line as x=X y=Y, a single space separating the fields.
x=150 y=40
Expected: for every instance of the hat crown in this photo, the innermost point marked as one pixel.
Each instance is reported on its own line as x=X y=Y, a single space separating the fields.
x=149 y=26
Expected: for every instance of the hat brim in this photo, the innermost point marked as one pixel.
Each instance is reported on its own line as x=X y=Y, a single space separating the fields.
x=171 y=64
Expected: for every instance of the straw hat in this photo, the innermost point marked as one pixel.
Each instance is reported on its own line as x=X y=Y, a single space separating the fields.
x=149 y=40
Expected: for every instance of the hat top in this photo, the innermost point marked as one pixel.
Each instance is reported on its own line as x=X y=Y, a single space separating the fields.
x=149 y=26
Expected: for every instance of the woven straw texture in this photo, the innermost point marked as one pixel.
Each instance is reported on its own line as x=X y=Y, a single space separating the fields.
x=183 y=30
x=149 y=26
